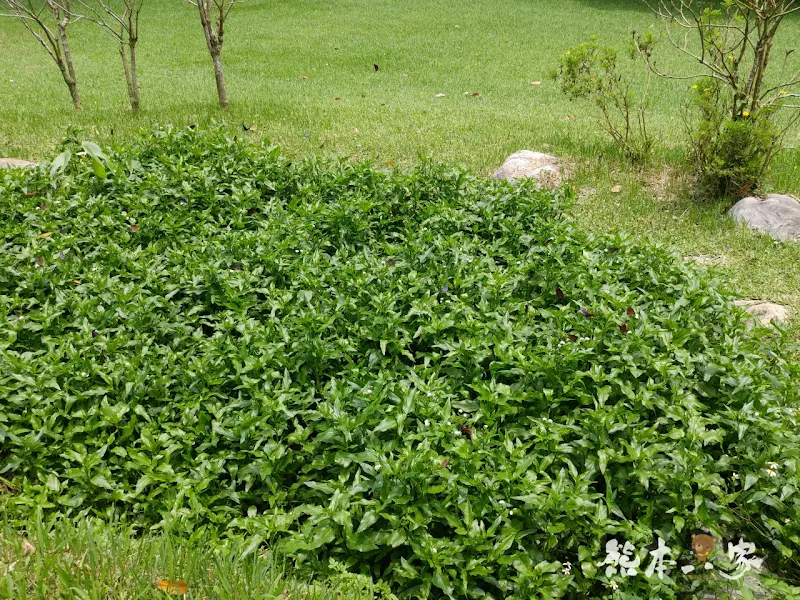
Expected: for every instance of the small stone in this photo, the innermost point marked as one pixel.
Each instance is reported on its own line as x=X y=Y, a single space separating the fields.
x=543 y=168
x=763 y=313
x=777 y=215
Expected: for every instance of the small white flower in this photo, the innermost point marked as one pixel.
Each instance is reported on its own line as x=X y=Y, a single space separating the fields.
x=502 y=502
x=427 y=422
x=377 y=467
x=367 y=391
x=84 y=374
x=433 y=550
x=297 y=250
x=511 y=512
x=773 y=466
x=613 y=585
x=772 y=473
x=429 y=394
x=787 y=520
x=485 y=426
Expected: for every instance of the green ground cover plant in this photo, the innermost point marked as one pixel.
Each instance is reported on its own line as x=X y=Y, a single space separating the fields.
x=428 y=378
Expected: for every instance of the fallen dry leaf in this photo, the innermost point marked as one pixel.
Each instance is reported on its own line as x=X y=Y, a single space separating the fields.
x=356 y=130
x=134 y=228
x=440 y=95
x=376 y=67
x=569 y=117
x=536 y=83
x=304 y=77
x=336 y=99
x=177 y=587
x=473 y=94
x=45 y=235
x=28 y=548
x=40 y=261
x=458 y=26
x=76 y=281
x=616 y=189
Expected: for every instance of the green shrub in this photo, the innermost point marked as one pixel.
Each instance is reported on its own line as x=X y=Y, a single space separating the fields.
x=428 y=378
x=590 y=72
x=732 y=153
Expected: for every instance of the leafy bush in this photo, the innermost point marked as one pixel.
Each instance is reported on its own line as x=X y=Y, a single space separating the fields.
x=590 y=72
x=731 y=152
x=428 y=378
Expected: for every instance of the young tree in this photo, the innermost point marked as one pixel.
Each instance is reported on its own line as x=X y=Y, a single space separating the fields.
x=739 y=92
x=213 y=14
x=39 y=17
x=120 y=19
x=732 y=41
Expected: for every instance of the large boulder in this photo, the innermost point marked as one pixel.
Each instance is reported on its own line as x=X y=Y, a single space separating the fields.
x=776 y=214
x=534 y=165
x=15 y=163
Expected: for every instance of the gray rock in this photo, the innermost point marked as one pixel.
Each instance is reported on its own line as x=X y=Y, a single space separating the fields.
x=763 y=313
x=15 y=163
x=534 y=165
x=776 y=214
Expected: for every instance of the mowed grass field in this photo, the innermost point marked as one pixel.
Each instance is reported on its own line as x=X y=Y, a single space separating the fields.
x=302 y=72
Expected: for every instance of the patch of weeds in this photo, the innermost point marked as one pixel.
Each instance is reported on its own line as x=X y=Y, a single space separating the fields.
x=434 y=380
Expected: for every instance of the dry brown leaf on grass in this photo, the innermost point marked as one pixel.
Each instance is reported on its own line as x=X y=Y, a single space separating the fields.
x=536 y=83
x=473 y=94
x=45 y=235
x=178 y=586
x=28 y=548
x=440 y=95
x=616 y=189
x=569 y=117
x=134 y=228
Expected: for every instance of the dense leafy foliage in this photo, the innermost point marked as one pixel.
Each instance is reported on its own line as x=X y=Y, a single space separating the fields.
x=426 y=377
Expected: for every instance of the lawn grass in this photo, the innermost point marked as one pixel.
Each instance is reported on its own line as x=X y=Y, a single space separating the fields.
x=423 y=48
x=93 y=561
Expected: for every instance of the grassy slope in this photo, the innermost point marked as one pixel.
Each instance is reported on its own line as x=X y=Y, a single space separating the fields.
x=497 y=49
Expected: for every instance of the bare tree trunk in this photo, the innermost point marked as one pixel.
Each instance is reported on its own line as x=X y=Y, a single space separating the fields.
x=126 y=71
x=220 y=76
x=129 y=68
x=134 y=80
x=67 y=70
